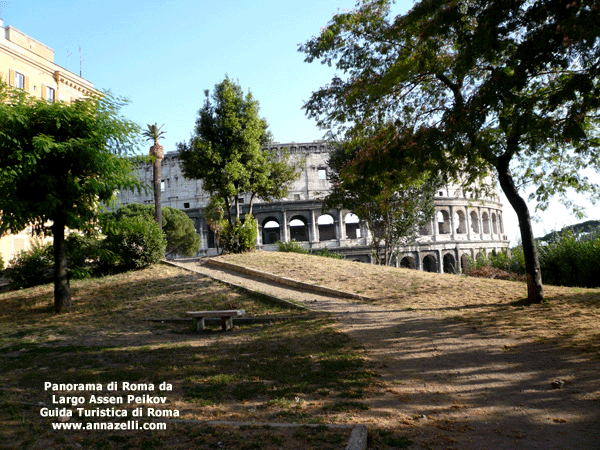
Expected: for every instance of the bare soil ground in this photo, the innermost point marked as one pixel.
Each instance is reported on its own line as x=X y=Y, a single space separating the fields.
x=464 y=364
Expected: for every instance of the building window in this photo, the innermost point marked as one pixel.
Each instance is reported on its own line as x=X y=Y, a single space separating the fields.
x=162 y=186
x=19 y=80
x=322 y=173
x=186 y=205
x=50 y=94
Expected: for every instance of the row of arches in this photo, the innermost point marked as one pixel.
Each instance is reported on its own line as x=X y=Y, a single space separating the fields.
x=429 y=263
x=489 y=224
x=298 y=227
x=449 y=264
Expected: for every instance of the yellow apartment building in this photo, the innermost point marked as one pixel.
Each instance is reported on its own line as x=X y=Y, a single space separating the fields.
x=29 y=65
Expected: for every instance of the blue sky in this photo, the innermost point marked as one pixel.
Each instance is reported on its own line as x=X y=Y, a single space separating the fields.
x=162 y=55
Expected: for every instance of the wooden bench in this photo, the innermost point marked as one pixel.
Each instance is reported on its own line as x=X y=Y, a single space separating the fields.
x=225 y=315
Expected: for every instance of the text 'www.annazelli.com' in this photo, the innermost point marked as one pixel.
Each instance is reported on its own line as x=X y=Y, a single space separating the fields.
x=110 y=426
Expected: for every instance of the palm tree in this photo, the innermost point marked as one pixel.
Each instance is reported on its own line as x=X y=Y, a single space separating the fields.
x=153 y=133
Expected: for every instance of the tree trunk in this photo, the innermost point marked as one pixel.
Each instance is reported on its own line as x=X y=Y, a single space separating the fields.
x=228 y=210
x=535 y=292
x=62 y=290
x=237 y=208
x=157 y=179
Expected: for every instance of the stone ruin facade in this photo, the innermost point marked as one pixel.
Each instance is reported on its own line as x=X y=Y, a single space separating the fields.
x=462 y=227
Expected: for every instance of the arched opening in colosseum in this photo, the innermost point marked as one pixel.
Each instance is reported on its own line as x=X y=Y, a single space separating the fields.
x=461 y=220
x=443 y=219
x=500 y=224
x=298 y=229
x=408 y=262
x=494 y=224
x=326 y=227
x=486 y=223
x=474 y=222
x=449 y=263
x=271 y=231
x=465 y=260
x=429 y=264
x=352 y=224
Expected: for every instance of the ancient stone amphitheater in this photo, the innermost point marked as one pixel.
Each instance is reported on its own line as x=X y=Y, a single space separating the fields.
x=462 y=227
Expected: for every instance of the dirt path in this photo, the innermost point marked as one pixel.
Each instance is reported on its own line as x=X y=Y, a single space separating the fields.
x=450 y=385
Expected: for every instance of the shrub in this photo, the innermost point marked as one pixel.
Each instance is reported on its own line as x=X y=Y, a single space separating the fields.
x=82 y=255
x=291 y=247
x=296 y=247
x=132 y=243
x=571 y=261
x=566 y=261
x=241 y=237
x=325 y=252
x=502 y=265
x=1 y=263
x=179 y=229
x=32 y=267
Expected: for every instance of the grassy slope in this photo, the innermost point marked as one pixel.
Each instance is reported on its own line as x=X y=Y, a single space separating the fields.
x=296 y=371
x=571 y=316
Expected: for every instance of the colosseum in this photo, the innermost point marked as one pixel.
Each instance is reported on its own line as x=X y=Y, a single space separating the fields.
x=462 y=227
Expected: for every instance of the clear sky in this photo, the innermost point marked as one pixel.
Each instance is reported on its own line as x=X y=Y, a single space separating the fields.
x=162 y=55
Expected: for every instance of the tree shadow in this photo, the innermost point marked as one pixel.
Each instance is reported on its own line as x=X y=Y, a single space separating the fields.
x=466 y=385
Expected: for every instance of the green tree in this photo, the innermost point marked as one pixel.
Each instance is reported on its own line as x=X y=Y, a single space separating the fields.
x=179 y=229
x=157 y=152
x=226 y=152
x=394 y=213
x=58 y=162
x=465 y=88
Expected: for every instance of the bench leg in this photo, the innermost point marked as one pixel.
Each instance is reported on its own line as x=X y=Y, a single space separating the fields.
x=226 y=323
x=198 y=324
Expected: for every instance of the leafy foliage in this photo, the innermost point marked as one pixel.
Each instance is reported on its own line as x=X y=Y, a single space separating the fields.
x=58 y=161
x=135 y=242
x=239 y=237
x=394 y=213
x=460 y=88
x=571 y=261
x=567 y=260
x=61 y=159
x=291 y=246
x=226 y=151
x=32 y=267
x=179 y=230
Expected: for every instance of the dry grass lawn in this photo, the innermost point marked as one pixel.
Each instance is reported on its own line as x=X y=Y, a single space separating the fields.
x=570 y=316
x=301 y=370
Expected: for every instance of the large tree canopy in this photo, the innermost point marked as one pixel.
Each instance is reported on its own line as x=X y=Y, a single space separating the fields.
x=465 y=87
x=226 y=152
x=395 y=213
x=58 y=162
